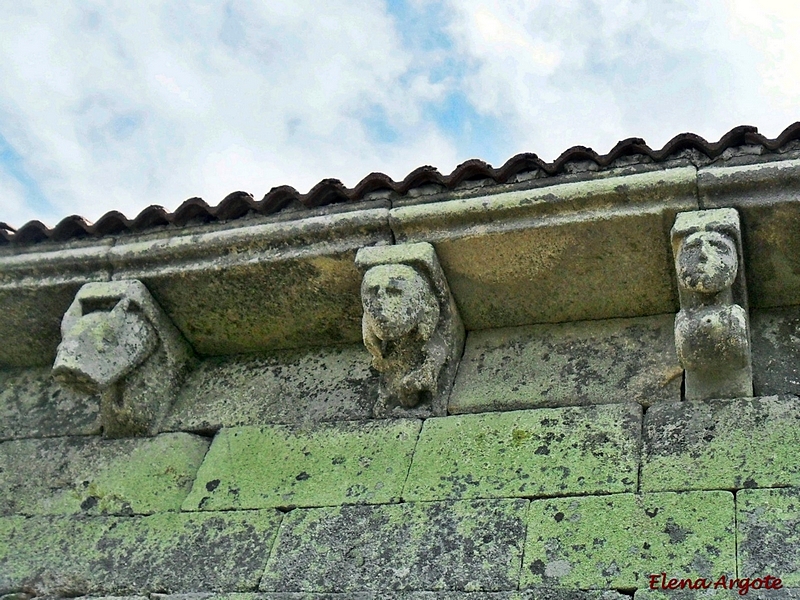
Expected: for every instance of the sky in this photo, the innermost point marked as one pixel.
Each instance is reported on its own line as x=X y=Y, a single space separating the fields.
x=120 y=105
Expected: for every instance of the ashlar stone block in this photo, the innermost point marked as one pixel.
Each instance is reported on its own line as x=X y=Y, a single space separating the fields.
x=723 y=444
x=617 y=541
x=181 y=552
x=320 y=384
x=468 y=545
x=531 y=453
x=32 y=404
x=589 y=362
x=91 y=475
x=327 y=464
x=769 y=534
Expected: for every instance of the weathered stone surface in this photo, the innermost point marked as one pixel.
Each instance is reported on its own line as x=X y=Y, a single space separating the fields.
x=542 y=594
x=766 y=198
x=97 y=476
x=180 y=552
x=325 y=465
x=775 y=336
x=721 y=444
x=262 y=286
x=532 y=453
x=468 y=545
x=322 y=384
x=596 y=542
x=712 y=329
x=594 y=249
x=32 y=404
x=769 y=534
x=591 y=362
x=37 y=284
x=412 y=328
x=731 y=592
x=117 y=342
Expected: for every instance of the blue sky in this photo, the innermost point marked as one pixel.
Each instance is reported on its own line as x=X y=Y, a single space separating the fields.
x=119 y=105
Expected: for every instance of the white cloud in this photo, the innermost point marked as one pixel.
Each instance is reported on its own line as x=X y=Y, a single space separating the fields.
x=124 y=105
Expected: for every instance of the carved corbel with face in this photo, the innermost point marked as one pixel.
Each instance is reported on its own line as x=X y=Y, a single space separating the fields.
x=411 y=327
x=712 y=329
x=117 y=342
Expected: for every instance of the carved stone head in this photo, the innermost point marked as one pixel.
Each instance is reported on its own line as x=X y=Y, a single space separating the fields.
x=396 y=299
x=707 y=262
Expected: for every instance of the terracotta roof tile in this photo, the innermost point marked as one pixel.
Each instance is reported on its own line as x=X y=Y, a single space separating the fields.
x=332 y=191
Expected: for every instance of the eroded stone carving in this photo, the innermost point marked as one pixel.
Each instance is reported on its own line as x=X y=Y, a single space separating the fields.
x=411 y=326
x=117 y=342
x=712 y=329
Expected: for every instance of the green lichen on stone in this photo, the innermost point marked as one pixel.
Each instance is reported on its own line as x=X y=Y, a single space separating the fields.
x=769 y=534
x=532 y=453
x=326 y=464
x=319 y=384
x=617 y=541
x=467 y=545
x=180 y=552
x=98 y=476
x=592 y=362
x=736 y=444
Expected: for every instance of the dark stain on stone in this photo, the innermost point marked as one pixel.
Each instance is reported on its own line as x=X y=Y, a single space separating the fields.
x=559 y=516
x=303 y=476
x=750 y=483
x=212 y=485
x=677 y=534
x=537 y=567
x=651 y=513
x=89 y=503
x=542 y=450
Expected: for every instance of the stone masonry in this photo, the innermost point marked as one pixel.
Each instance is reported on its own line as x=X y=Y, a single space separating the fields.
x=560 y=456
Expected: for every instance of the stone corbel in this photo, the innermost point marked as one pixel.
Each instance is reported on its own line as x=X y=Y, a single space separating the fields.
x=117 y=342
x=712 y=329
x=412 y=328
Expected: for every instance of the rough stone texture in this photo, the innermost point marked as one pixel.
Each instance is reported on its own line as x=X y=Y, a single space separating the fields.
x=766 y=198
x=734 y=444
x=591 y=362
x=575 y=251
x=32 y=404
x=327 y=464
x=412 y=328
x=37 y=284
x=265 y=286
x=177 y=552
x=769 y=534
x=97 y=476
x=533 y=453
x=720 y=593
x=321 y=384
x=467 y=545
x=712 y=329
x=388 y=595
x=776 y=350
x=118 y=343
x=597 y=542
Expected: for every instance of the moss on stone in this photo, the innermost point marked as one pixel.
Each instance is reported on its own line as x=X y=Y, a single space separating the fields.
x=733 y=444
x=769 y=534
x=533 y=453
x=72 y=556
x=321 y=465
x=467 y=545
x=98 y=476
x=617 y=541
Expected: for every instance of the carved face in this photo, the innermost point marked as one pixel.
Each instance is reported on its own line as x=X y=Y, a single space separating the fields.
x=102 y=347
x=707 y=262
x=394 y=299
